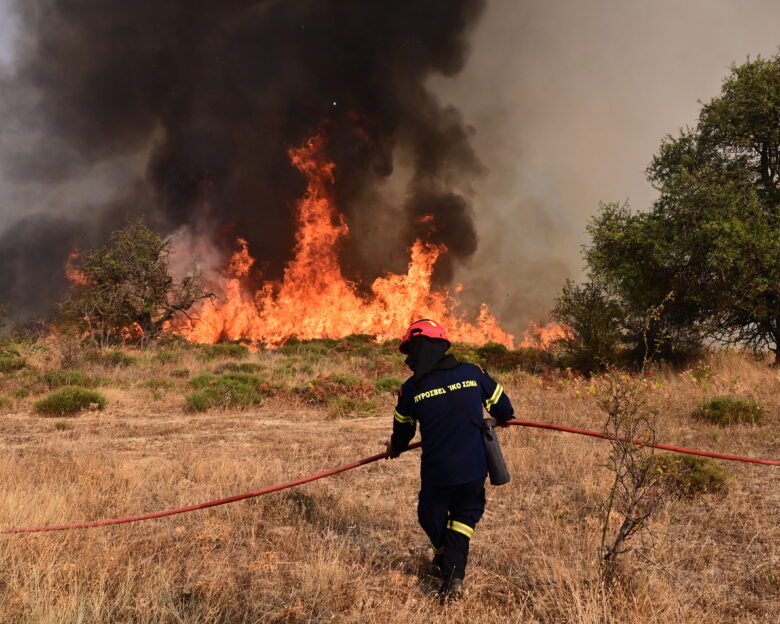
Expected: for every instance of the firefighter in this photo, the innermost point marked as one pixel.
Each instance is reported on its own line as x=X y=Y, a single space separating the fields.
x=446 y=397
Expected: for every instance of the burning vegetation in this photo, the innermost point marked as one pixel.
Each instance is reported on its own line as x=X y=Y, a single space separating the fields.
x=314 y=299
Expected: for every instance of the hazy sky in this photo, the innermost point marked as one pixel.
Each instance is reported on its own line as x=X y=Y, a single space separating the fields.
x=568 y=101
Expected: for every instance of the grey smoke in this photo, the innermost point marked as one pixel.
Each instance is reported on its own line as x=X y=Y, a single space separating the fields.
x=213 y=95
x=542 y=109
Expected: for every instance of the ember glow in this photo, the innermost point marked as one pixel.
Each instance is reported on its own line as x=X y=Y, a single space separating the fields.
x=314 y=300
x=74 y=275
x=542 y=336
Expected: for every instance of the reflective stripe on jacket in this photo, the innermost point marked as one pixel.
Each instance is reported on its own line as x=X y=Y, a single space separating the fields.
x=452 y=449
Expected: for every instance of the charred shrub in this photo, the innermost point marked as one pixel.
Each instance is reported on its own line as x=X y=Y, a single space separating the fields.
x=320 y=390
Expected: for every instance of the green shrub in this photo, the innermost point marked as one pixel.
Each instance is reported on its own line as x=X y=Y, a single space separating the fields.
x=157 y=384
x=223 y=350
x=235 y=367
x=61 y=425
x=21 y=393
x=226 y=390
x=496 y=357
x=689 y=474
x=344 y=379
x=180 y=372
x=306 y=348
x=197 y=401
x=59 y=378
x=342 y=406
x=5 y=402
x=69 y=400
x=387 y=383
x=10 y=363
x=115 y=358
x=358 y=344
x=166 y=357
x=594 y=319
x=318 y=348
x=730 y=411
x=120 y=359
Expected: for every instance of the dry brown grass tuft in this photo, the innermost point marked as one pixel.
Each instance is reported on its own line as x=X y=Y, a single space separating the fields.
x=348 y=548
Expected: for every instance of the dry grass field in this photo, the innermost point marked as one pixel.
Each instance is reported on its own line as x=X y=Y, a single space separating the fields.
x=348 y=548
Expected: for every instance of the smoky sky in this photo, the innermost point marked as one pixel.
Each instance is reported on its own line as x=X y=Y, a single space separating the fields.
x=509 y=121
x=210 y=96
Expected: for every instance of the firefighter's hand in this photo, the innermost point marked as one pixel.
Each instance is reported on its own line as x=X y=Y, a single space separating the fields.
x=502 y=423
x=391 y=452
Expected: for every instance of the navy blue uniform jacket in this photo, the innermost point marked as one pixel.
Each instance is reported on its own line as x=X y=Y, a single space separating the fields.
x=453 y=452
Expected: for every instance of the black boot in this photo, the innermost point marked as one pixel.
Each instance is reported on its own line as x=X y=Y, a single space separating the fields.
x=451 y=590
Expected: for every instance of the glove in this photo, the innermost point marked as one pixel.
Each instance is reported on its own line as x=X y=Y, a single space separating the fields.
x=391 y=452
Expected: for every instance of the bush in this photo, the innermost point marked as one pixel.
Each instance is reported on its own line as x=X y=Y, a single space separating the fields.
x=730 y=411
x=308 y=348
x=61 y=425
x=156 y=384
x=5 y=402
x=496 y=357
x=227 y=390
x=690 y=475
x=10 y=362
x=59 y=378
x=323 y=389
x=70 y=400
x=593 y=321
x=342 y=406
x=223 y=350
x=388 y=383
x=235 y=367
x=126 y=291
x=344 y=379
x=166 y=357
x=117 y=358
x=180 y=372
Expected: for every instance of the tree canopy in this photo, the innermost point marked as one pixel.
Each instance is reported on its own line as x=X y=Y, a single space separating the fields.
x=713 y=235
x=124 y=290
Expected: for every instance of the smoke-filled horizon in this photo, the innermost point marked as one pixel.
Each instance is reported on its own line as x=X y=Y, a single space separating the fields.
x=509 y=122
x=212 y=98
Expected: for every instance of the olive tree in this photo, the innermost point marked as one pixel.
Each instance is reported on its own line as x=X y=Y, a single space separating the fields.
x=124 y=290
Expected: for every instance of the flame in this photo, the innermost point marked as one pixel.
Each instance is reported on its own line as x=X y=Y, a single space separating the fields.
x=314 y=300
x=542 y=337
x=74 y=275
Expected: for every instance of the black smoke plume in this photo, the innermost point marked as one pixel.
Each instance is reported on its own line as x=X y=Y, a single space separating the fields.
x=215 y=92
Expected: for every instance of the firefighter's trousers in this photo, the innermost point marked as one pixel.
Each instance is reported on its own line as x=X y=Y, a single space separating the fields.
x=449 y=514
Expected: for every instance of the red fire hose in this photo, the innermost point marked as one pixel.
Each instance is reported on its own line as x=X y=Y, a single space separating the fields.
x=363 y=462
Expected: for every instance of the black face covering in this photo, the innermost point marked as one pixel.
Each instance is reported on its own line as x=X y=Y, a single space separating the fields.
x=428 y=354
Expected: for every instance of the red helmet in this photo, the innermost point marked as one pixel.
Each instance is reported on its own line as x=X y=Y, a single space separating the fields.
x=423 y=327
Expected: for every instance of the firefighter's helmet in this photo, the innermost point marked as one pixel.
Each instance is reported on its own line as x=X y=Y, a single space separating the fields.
x=423 y=327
